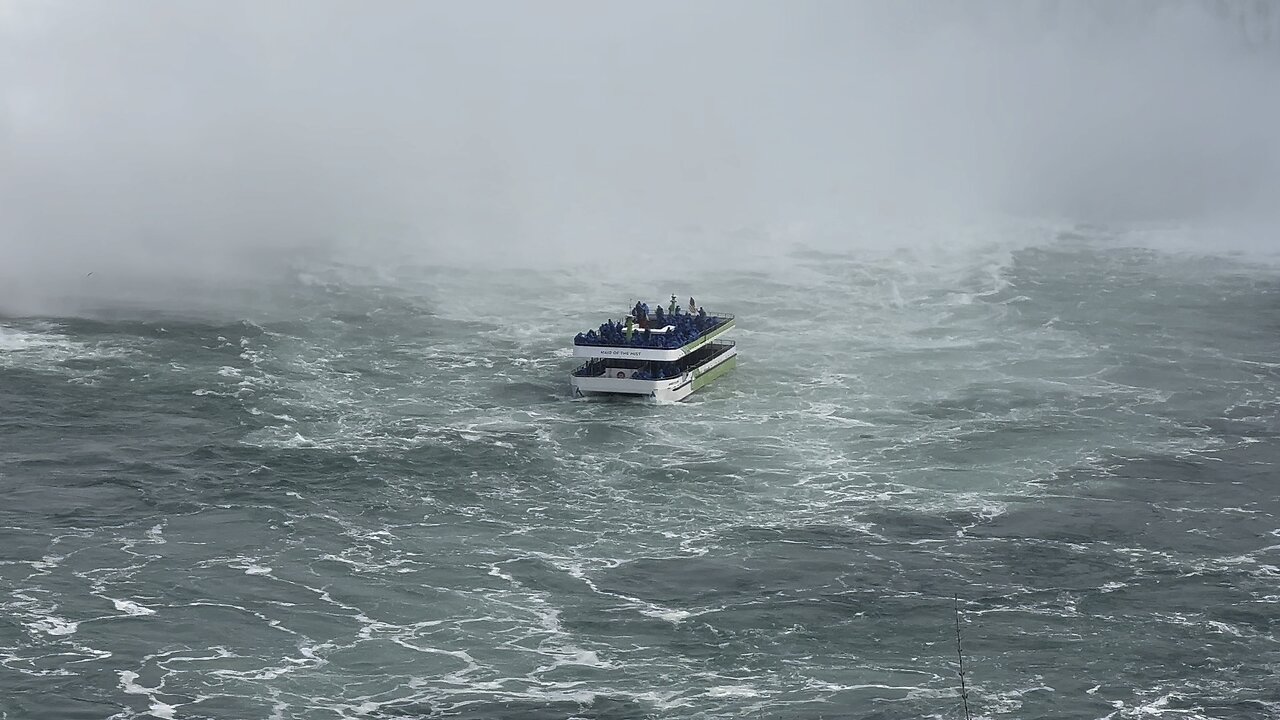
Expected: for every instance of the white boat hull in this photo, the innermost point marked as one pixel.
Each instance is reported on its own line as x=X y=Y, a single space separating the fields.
x=668 y=390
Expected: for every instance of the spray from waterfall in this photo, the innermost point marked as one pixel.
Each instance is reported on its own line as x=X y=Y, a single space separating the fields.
x=193 y=148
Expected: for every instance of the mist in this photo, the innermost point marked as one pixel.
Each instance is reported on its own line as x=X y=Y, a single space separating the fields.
x=177 y=148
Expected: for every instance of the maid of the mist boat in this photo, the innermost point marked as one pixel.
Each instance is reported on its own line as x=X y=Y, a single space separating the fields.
x=661 y=355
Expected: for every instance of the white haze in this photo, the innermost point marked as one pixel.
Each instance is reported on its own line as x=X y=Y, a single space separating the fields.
x=164 y=146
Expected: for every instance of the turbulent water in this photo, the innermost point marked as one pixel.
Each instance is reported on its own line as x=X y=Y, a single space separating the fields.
x=378 y=500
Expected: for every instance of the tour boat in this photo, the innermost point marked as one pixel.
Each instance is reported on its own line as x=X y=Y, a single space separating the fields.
x=663 y=356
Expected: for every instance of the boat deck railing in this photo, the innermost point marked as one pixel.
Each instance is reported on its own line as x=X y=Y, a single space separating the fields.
x=659 y=340
x=654 y=369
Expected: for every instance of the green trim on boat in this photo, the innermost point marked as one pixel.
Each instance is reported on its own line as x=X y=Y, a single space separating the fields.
x=715 y=372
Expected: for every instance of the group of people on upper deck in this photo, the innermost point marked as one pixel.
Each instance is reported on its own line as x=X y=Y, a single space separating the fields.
x=640 y=313
x=670 y=329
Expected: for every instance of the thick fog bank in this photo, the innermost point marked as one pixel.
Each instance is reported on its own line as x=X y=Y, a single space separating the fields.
x=174 y=150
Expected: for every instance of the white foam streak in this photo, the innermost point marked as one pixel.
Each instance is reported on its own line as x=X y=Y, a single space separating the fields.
x=132 y=608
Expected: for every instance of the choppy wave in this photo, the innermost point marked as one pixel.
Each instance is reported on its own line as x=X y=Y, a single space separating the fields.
x=389 y=507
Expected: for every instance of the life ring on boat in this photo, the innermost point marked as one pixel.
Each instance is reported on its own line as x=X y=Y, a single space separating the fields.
x=621 y=375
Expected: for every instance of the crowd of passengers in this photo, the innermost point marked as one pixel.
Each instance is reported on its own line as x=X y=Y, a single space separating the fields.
x=636 y=330
x=658 y=371
x=654 y=371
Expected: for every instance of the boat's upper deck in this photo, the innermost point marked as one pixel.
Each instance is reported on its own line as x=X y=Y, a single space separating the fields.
x=669 y=337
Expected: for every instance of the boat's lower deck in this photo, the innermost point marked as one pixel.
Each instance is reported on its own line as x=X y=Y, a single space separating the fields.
x=674 y=380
